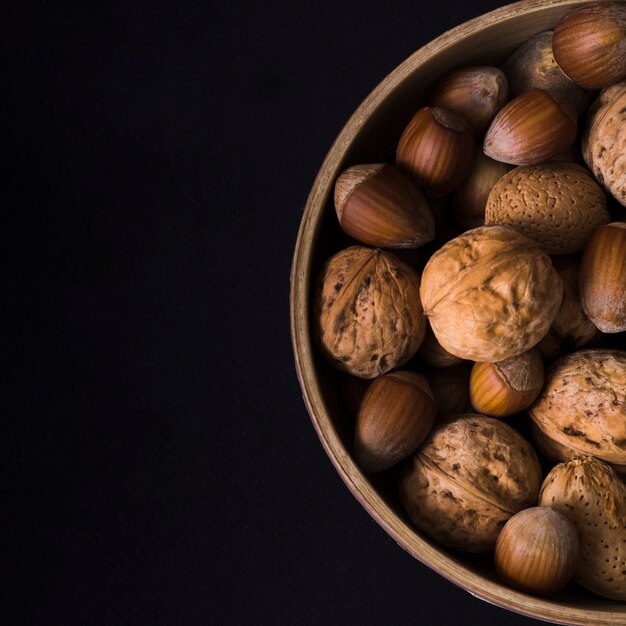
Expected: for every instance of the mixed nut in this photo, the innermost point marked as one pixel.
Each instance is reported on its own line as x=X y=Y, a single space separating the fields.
x=514 y=314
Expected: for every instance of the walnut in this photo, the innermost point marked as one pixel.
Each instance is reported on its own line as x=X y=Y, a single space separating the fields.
x=557 y=204
x=604 y=140
x=582 y=408
x=467 y=479
x=490 y=294
x=367 y=311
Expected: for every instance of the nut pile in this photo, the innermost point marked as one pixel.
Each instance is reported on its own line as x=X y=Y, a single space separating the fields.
x=508 y=319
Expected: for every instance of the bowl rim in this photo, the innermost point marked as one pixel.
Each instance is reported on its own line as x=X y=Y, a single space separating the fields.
x=300 y=284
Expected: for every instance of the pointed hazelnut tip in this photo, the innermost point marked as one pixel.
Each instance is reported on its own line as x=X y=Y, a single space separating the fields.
x=349 y=180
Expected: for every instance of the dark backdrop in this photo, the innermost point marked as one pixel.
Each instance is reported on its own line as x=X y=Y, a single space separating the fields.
x=163 y=468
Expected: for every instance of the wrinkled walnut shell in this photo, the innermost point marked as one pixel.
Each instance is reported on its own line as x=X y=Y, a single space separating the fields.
x=367 y=311
x=604 y=140
x=490 y=294
x=582 y=408
x=467 y=479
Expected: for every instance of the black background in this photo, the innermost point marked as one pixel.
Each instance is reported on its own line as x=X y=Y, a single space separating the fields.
x=163 y=468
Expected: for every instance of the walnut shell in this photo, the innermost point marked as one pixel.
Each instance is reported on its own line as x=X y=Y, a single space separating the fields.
x=593 y=498
x=582 y=408
x=604 y=140
x=557 y=204
x=367 y=311
x=490 y=294
x=467 y=479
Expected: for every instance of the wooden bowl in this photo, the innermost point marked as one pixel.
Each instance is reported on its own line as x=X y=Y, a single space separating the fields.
x=370 y=136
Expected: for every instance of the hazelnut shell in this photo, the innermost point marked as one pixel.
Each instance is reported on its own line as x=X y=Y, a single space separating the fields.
x=476 y=93
x=537 y=551
x=589 y=44
x=506 y=387
x=530 y=129
x=395 y=416
x=603 y=278
x=379 y=206
x=436 y=149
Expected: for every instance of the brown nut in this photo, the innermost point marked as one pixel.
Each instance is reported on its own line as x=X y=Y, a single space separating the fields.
x=367 y=312
x=490 y=294
x=396 y=415
x=558 y=205
x=467 y=479
x=549 y=347
x=603 y=278
x=593 y=498
x=537 y=551
x=468 y=201
x=582 y=408
x=604 y=140
x=436 y=150
x=379 y=206
x=589 y=44
x=571 y=328
x=476 y=93
x=506 y=387
x=450 y=387
x=532 y=66
x=530 y=129
x=432 y=352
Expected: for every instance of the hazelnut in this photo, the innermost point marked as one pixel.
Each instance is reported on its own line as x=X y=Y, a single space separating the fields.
x=467 y=479
x=506 y=387
x=367 y=311
x=379 y=206
x=537 y=551
x=589 y=44
x=476 y=93
x=571 y=328
x=436 y=150
x=558 y=205
x=396 y=415
x=530 y=129
x=468 y=201
x=603 y=278
x=490 y=294
x=604 y=140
